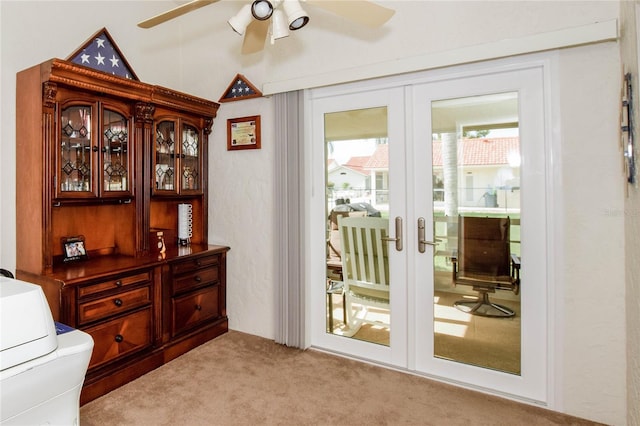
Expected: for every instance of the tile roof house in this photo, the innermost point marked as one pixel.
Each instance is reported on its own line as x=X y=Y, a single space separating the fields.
x=357 y=164
x=481 y=152
x=471 y=152
x=487 y=164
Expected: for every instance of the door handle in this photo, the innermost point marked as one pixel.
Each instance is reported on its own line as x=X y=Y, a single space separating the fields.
x=398 y=238
x=422 y=243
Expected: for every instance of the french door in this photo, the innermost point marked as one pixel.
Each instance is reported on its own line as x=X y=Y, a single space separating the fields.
x=442 y=146
x=358 y=125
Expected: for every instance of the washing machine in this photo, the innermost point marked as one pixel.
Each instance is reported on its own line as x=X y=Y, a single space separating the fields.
x=42 y=363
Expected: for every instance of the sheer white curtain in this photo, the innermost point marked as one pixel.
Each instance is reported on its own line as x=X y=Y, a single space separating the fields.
x=290 y=295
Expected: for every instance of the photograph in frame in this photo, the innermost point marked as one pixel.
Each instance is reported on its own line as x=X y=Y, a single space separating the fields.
x=73 y=248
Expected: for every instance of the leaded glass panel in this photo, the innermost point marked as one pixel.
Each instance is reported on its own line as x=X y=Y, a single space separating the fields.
x=115 y=151
x=75 y=149
x=190 y=162
x=165 y=156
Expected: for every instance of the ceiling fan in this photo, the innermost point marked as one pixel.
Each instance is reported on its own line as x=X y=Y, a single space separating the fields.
x=273 y=19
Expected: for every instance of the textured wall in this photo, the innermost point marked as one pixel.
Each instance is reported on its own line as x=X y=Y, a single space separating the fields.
x=243 y=213
x=592 y=187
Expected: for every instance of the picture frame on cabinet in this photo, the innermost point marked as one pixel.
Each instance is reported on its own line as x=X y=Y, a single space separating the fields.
x=243 y=133
x=73 y=248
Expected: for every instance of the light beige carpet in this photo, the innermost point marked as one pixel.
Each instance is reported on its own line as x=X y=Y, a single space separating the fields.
x=240 y=379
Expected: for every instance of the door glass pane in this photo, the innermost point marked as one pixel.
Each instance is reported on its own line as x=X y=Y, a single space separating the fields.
x=115 y=151
x=357 y=212
x=476 y=220
x=75 y=149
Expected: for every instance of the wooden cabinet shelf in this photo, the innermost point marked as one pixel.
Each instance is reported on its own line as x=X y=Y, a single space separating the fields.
x=119 y=156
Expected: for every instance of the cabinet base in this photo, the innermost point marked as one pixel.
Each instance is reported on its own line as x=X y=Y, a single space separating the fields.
x=97 y=384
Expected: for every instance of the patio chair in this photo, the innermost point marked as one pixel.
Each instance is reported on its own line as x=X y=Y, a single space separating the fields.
x=365 y=268
x=334 y=262
x=334 y=257
x=484 y=261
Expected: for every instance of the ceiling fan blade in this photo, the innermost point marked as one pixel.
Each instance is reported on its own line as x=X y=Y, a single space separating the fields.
x=361 y=11
x=255 y=36
x=174 y=13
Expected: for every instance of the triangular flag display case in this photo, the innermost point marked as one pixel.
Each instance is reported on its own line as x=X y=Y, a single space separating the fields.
x=102 y=54
x=239 y=89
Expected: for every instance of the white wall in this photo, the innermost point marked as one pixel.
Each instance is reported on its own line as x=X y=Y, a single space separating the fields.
x=419 y=28
x=198 y=54
x=590 y=280
x=242 y=215
x=630 y=14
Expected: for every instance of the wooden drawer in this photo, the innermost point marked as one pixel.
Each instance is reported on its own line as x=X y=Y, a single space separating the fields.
x=117 y=283
x=190 y=264
x=120 y=337
x=195 y=308
x=199 y=278
x=113 y=305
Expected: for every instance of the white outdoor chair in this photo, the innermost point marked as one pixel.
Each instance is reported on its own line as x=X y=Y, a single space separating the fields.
x=365 y=268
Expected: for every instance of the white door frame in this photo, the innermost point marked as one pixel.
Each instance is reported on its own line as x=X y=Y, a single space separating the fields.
x=527 y=82
x=396 y=353
x=553 y=255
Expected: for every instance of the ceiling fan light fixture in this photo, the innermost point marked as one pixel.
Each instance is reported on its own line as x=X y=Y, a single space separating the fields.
x=296 y=15
x=279 y=27
x=298 y=23
x=241 y=20
x=262 y=9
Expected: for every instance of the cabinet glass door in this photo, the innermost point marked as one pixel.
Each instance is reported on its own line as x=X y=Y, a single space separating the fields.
x=165 y=163
x=190 y=158
x=115 y=149
x=76 y=157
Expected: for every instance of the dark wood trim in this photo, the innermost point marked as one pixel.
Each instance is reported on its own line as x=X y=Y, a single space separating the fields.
x=129 y=280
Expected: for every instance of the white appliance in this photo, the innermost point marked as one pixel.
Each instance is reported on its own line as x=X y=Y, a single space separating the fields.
x=42 y=363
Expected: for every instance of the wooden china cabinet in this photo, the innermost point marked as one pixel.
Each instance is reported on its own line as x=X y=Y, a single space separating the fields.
x=106 y=161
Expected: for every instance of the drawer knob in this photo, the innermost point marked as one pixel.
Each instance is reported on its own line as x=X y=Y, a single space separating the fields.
x=118 y=283
x=198 y=263
x=197 y=278
x=198 y=307
x=119 y=338
x=117 y=302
